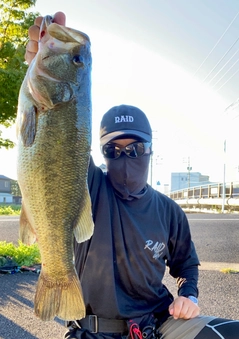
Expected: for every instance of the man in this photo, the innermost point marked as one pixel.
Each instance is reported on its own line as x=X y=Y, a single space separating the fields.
x=138 y=231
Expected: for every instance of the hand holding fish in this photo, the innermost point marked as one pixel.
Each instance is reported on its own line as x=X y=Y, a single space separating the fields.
x=33 y=32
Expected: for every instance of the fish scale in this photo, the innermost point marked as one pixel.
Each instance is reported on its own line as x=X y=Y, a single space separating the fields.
x=54 y=136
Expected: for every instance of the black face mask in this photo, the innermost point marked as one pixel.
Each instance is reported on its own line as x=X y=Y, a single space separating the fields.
x=128 y=176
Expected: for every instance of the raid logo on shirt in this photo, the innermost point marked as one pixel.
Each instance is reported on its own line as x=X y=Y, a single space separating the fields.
x=157 y=248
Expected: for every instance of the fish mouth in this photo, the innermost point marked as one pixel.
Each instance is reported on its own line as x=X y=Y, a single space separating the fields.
x=46 y=22
x=61 y=33
x=66 y=34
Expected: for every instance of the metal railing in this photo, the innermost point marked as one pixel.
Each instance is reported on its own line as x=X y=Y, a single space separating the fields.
x=211 y=195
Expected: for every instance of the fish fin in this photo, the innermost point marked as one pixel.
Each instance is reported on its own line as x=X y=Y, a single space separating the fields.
x=28 y=127
x=62 y=300
x=27 y=234
x=85 y=225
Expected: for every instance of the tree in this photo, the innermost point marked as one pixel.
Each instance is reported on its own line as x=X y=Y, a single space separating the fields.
x=15 y=189
x=15 y=21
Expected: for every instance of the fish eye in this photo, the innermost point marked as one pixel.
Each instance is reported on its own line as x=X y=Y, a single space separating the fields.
x=77 y=60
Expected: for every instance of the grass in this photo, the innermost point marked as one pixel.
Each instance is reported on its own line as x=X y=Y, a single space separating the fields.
x=229 y=271
x=10 y=209
x=24 y=255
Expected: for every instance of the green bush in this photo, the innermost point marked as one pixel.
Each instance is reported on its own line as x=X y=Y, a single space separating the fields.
x=24 y=255
x=10 y=209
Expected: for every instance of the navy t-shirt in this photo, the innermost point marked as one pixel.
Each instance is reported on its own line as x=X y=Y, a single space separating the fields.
x=122 y=266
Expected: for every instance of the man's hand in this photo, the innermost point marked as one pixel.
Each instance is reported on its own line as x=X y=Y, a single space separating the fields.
x=33 y=32
x=183 y=308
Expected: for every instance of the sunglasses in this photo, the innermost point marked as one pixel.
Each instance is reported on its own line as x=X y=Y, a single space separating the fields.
x=134 y=150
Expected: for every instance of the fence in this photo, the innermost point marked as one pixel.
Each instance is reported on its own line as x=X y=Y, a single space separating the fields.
x=209 y=196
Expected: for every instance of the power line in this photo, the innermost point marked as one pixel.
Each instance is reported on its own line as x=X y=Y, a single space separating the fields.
x=228 y=80
x=221 y=59
x=226 y=72
x=216 y=43
x=223 y=66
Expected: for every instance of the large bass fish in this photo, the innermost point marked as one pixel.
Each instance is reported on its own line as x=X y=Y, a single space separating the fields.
x=54 y=138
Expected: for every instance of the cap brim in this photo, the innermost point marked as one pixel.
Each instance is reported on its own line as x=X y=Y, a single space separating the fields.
x=115 y=135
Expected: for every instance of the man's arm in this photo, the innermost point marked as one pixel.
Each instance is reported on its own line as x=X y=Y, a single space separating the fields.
x=183 y=265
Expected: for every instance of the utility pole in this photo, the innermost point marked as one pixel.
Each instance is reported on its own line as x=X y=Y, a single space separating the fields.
x=227 y=110
x=151 y=168
x=152 y=159
x=189 y=168
x=224 y=178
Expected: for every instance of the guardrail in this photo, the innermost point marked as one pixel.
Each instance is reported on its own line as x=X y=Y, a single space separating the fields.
x=210 y=196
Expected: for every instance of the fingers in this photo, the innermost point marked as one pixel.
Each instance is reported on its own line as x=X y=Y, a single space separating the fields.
x=32 y=45
x=33 y=32
x=29 y=56
x=59 y=18
x=183 y=308
x=38 y=21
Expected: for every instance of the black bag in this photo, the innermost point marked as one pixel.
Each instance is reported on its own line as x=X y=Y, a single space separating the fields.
x=8 y=265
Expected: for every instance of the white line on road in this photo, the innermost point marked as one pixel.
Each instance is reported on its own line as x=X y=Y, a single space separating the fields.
x=13 y=219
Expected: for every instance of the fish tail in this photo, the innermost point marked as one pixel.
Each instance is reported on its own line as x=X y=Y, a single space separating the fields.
x=64 y=300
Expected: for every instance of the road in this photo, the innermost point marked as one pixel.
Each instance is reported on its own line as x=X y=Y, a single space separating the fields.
x=216 y=239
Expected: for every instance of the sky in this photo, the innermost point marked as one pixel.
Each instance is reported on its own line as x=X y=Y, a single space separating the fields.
x=174 y=59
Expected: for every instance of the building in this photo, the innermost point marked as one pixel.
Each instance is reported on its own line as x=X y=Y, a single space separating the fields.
x=5 y=190
x=180 y=180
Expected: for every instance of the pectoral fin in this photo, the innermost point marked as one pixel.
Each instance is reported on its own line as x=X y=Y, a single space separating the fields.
x=28 y=126
x=85 y=225
x=27 y=233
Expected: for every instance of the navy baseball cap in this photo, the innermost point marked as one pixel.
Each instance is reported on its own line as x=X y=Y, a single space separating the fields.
x=124 y=120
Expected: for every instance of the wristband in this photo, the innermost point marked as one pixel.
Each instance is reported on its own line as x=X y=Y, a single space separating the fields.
x=193 y=299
